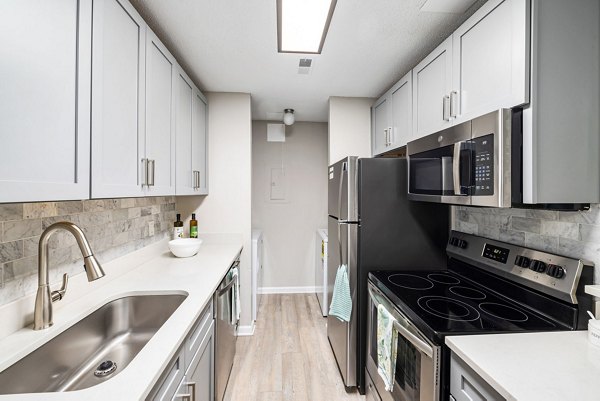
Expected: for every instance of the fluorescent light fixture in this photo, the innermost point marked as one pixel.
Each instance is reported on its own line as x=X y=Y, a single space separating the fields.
x=302 y=25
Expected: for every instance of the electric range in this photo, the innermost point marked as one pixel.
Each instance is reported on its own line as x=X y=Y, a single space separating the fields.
x=488 y=287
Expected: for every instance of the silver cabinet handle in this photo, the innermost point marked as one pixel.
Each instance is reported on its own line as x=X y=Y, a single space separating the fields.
x=453 y=104
x=385 y=135
x=151 y=165
x=197 y=179
x=390 y=132
x=192 y=387
x=145 y=171
x=446 y=108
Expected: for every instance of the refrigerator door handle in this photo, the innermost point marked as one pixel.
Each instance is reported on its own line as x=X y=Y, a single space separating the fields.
x=340 y=221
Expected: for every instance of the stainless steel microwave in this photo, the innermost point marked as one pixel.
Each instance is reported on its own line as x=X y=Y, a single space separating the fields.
x=467 y=164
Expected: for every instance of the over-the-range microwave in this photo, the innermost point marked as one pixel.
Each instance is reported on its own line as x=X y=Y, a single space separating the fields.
x=475 y=163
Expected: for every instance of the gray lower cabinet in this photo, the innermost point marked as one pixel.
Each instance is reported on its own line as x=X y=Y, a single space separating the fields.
x=466 y=385
x=190 y=375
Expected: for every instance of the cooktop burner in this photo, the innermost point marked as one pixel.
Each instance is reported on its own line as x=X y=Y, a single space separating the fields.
x=443 y=278
x=467 y=292
x=448 y=308
x=448 y=303
x=410 y=281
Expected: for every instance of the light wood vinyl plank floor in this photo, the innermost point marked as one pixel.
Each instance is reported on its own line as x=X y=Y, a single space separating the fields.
x=288 y=358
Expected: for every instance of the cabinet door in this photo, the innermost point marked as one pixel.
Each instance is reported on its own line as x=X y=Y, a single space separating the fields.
x=466 y=385
x=118 y=62
x=200 y=377
x=184 y=93
x=44 y=100
x=199 y=141
x=160 y=124
x=401 y=95
x=432 y=80
x=491 y=59
x=381 y=124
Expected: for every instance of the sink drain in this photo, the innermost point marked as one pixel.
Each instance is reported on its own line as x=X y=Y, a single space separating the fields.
x=105 y=369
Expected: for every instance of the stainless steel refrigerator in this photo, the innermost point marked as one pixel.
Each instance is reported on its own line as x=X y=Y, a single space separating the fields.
x=373 y=226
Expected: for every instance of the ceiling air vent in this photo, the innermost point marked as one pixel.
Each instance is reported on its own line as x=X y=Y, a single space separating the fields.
x=304 y=66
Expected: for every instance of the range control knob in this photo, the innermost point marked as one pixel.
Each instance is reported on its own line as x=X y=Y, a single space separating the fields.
x=556 y=271
x=522 y=261
x=537 y=266
x=453 y=241
x=462 y=243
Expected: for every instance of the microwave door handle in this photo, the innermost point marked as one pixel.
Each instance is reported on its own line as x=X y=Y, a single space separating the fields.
x=419 y=344
x=456 y=168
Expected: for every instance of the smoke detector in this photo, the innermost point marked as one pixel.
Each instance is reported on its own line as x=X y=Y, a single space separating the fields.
x=304 y=66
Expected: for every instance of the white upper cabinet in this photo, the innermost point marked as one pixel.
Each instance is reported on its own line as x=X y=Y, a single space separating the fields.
x=491 y=59
x=160 y=123
x=44 y=99
x=381 y=124
x=200 y=141
x=184 y=178
x=401 y=96
x=117 y=100
x=190 y=127
x=432 y=81
x=392 y=117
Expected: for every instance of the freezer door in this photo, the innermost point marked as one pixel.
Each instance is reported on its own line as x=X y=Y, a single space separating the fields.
x=342 y=335
x=342 y=190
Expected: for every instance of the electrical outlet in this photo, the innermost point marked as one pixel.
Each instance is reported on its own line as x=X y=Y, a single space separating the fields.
x=150 y=228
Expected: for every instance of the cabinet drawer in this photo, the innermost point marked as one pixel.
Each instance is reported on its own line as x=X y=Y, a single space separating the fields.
x=198 y=332
x=171 y=379
x=466 y=385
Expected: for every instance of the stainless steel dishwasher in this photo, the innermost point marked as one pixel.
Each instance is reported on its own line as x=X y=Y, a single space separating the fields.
x=225 y=328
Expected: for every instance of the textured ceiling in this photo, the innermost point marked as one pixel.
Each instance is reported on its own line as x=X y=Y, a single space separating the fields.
x=231 y=46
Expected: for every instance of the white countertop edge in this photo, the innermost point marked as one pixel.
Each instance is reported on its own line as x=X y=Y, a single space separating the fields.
x=593 y=290
x=198 y=276
x=550 y=366
x=473 y=365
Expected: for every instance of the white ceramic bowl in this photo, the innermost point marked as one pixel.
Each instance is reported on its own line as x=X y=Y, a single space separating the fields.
x=185 y=247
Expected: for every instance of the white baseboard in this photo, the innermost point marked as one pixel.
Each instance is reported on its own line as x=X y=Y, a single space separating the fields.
x=245 y=330
x=287 y=290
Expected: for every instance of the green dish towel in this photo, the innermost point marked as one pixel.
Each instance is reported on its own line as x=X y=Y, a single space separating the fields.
x=341 y=301
x=387 y=342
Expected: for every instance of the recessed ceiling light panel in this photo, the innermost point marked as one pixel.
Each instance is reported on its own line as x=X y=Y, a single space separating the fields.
x=302 y=25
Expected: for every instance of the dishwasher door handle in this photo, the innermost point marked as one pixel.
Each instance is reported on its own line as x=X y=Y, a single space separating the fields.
x=227 y=288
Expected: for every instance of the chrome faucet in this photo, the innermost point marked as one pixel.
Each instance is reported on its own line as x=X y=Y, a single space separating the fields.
x=42 y=315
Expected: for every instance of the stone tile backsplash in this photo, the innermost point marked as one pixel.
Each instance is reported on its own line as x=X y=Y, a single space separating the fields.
x=573 y=234
x=113 y=227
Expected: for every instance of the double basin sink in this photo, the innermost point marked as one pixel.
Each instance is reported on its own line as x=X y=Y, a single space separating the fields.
x=93 y=350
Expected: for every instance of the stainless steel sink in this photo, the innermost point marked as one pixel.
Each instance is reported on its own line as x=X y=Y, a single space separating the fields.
x=94 y=349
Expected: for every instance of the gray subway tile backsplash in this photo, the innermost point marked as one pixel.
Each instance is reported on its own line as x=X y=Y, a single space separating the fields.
x=574 y=234
x=114 y=228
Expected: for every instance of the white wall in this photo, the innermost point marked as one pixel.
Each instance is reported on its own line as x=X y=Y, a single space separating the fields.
x=349 y=127
x=289 y=226
x=227 y=208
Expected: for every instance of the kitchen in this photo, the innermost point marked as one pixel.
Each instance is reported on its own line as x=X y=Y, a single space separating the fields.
x=252 y=130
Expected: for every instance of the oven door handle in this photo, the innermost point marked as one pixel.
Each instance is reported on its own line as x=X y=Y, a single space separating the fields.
x=419 y=344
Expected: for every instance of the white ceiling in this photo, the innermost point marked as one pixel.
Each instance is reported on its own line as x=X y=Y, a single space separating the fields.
x=231 y=46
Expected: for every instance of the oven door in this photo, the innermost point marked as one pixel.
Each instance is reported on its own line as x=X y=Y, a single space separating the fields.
x=417 y=362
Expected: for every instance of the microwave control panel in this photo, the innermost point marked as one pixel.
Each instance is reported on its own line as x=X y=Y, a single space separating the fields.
x=484 y=165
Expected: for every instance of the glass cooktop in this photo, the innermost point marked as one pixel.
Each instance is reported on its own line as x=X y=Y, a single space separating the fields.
x=444 y=303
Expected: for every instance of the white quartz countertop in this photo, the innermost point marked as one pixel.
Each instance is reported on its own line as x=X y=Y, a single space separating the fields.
x=157 y=272
x=534 y=366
